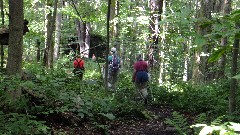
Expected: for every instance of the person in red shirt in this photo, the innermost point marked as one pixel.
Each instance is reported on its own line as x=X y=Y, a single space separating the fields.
x=140 y=77
x=78 y=65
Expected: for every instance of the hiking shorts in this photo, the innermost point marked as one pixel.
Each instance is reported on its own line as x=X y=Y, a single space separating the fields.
x=141 y=77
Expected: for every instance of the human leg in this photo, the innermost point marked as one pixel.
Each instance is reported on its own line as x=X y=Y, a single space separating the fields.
x=142 y=90
x=114 y=79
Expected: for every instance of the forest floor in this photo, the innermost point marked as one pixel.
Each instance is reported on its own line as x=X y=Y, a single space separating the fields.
x=128 y=125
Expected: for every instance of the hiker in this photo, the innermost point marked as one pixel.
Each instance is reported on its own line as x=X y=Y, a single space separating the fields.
x=78 y=64
x=114 y=65
x=140 y=77
x=93 y=57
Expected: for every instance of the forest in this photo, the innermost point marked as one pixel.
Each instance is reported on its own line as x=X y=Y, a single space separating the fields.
x=191 y=48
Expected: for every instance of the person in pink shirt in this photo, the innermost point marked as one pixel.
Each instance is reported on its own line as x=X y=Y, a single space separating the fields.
x=140 y=77
x=93 y=57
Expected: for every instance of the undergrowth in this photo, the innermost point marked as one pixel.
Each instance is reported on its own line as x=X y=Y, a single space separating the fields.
x=57 y=92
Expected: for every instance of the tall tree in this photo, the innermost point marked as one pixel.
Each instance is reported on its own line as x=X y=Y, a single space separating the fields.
x=114 y=25
x=200 y=68
x=50 y=18
x=234 y=85
x=81 y=30
x=162 y=9
x=107 y=47
x=15 y=47
x=2 y=16
x=87 y=40
x=226 y=8
x=156 y=10
x=58 y=31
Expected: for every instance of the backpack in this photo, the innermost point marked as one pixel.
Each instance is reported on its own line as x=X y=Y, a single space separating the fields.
x=114 y=65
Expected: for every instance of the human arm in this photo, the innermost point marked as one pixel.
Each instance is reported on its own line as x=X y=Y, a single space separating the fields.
x=134 y=73
x=75 y=63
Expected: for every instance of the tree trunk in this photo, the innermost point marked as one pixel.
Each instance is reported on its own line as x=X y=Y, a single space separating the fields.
x=51 y=32
x=234 y=85
x=112 y=16
x=38 y=43
x=201 y=67
x=116 y=26
x=81 y=35
x=87 y=41
x=156 y=7
x=156 y=11
x=51 y=17
x=15 y=47
x=107 y=47
x=226 y=8
x=161 y=77
x=58 y=33
x=2 y=49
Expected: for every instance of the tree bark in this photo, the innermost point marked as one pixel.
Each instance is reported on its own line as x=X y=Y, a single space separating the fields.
x=234 y=85
x=58 y=33
x=38 y=43
x=112 y=16
x=49 y=50
x=2 y=49
x=81 y=29
x=153 y=31
x=161 y=78
x=156 y=7
x=226 y=8
x=107 y=47
x=15 y=47
x=115 y=30
x=87 y=40
x=200 y=66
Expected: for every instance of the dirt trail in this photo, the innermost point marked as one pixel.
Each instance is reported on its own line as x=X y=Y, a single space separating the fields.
x=153 y=125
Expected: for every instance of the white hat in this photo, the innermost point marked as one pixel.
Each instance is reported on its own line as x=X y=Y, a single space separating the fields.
x=113 y=49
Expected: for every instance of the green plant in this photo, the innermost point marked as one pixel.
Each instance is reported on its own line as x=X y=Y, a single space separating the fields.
x=179 y=122
x=201 y=98
x=218 y=128
x=14 y=123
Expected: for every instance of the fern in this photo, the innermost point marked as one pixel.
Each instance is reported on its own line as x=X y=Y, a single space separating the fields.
x=178 y=122
x=201 y=118
x=218 y=128
x=217 y=121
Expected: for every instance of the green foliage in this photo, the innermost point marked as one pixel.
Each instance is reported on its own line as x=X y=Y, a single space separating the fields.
x=15 y=123
x=10 y=87
x=235 y=15
x=61 y=92
x=196 y=98
x=179 y=122
x=201 y=118
x=217 y=127
x=160 y=94
x=236 y=77
x=217 y=54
